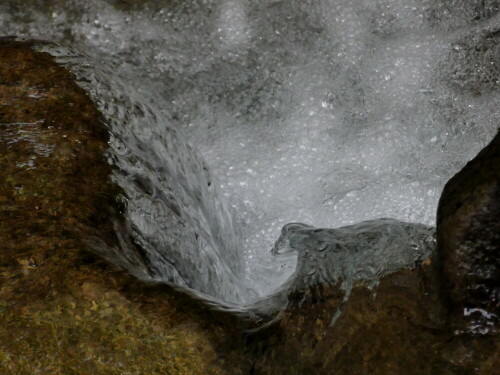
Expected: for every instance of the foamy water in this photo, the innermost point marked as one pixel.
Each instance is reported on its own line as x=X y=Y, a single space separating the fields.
x=321 y=112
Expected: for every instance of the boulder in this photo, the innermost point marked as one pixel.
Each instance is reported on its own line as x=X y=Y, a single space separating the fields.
x=63 y=310
x=468 y=222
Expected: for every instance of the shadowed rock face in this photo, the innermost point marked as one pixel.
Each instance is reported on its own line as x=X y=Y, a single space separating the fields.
x=399 y=327
x=469 y=240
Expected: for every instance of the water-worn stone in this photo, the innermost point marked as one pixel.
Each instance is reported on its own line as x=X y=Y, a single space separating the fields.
x=439 y=318
x=400 y=327
x=469 y=241
x=62 y=309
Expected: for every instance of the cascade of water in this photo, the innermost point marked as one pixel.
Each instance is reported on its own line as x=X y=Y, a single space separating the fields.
x=174 y=209
x=326 y=112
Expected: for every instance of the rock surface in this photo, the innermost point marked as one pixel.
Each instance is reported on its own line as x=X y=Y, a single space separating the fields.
x=469 y=241
x=63 y=310
x=400 y=327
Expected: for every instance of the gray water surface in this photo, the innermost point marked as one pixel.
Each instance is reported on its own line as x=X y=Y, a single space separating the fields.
x=231 y=119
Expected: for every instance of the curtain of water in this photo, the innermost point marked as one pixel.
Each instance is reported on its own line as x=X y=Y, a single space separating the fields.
x=325 y=112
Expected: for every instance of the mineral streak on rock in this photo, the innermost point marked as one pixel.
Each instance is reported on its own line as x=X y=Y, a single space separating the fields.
x=469 y=241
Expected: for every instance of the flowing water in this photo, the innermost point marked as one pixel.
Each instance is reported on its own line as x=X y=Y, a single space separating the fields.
x=231 y=119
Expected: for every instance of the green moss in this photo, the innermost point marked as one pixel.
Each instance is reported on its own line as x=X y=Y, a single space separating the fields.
x=106 y=335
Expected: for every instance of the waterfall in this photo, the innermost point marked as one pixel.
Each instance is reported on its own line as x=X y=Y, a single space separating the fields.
x=230 y=119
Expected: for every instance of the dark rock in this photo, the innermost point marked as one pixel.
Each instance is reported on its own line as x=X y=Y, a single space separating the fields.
x=468 y=223
x=388 y=330
x=399 y=327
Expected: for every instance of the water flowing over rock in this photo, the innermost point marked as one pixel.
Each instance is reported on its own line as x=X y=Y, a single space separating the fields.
x=175 y=212
x=169 y=201
x=408 y=323
x=204 y=127
x=62 y=310
x=439 y=316
x=326 y=112
x=367 y=251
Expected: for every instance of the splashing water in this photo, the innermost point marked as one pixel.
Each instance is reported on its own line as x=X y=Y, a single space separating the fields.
x=326 y=112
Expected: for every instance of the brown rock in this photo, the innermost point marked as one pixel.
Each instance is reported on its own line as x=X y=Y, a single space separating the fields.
x=408 y=324
x=400 y=327
x=468 y=229
x=62 y=309
x=385 y=331
x=90 y=290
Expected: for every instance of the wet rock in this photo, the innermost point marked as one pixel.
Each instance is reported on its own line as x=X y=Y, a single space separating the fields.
x=341 y=320
x=441 y=317
x=62 y=309
x=469 y=241
x=381 y=331
x=399 y=327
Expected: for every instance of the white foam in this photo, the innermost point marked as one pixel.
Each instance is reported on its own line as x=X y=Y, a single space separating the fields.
x=323 y=112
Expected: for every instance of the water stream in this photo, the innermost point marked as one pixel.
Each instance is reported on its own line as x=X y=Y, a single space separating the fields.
x=231 y=119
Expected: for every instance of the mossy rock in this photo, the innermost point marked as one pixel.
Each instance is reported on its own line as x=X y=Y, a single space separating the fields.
x=63 y=310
